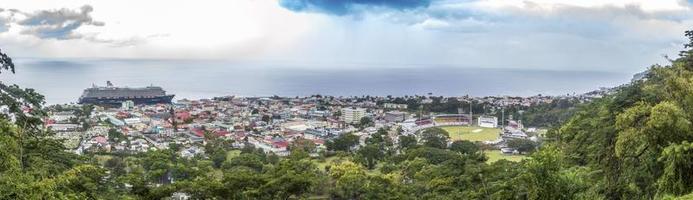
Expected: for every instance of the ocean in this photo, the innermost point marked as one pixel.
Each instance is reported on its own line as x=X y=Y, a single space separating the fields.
x=62 y=81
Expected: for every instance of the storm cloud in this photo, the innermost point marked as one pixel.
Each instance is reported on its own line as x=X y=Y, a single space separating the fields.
x=58 y=24
x=344 y=7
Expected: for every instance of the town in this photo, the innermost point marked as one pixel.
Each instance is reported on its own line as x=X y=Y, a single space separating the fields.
x=274 y=123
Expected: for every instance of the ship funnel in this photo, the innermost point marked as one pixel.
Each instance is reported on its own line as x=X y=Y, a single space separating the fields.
x=109 y=84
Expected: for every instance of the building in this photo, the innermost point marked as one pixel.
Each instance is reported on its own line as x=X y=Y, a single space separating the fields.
x=488 y=122
x=452 y=119
x=192 y=152
x=64 y=127
x=61 y=117
x=113 y=120
x=131 y=121
x=353 y=115
x=395 y=116
x=128 y=105
x=394 y=106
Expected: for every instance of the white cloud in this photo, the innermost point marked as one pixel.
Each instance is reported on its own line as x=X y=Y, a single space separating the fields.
x=173 y=29
x=591 y=34
x=647 y=5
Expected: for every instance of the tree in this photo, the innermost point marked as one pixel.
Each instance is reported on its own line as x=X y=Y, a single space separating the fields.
x=464 y=147
x=687 y=53
x=6 y=62
x=302 y=144
x=378 y=137
x=174 y=123
x=677 y=178
x=349 y=180
x=242 y=183
x=522 y=145
x=85 y=111
x=342 y=143
x=542 y=178
x=248 y=160
x=218 y=157
x=216 y=148
x=158 y=165
x=290 y=178
x=115 y=135
x=24 y=108
x=431 y=154
x=266 y=118
x=407 y=141
x=32 y=165
x=435 y=137
x=116 y=166
x=365 y=122
x=369 y=155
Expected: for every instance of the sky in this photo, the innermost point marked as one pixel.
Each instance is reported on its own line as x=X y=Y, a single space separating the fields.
x=600 y=35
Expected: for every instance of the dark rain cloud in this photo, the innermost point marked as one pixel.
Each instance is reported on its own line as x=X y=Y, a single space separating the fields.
x=58 y=24
x=345 y=7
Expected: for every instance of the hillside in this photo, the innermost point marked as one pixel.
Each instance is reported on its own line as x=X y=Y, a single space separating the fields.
x=634 y=144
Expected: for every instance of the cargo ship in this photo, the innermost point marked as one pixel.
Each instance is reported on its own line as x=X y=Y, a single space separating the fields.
x=115 y=96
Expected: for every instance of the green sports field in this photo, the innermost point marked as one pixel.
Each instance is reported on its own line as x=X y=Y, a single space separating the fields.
x=472 y=133
x=496 y=155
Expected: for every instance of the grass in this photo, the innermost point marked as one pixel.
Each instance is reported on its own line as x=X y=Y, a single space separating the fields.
x=471 y=133
x=496 y=155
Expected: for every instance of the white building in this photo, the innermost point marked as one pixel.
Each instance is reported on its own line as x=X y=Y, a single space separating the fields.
x=488 y=122
x=128 y=105
x=131 y=121
x=64 y=127
x=353 y=115
x=62 y=116
x=394 y=106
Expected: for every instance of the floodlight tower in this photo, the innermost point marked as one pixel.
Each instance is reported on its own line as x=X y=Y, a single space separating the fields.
x=502 y=116
x=471 y=113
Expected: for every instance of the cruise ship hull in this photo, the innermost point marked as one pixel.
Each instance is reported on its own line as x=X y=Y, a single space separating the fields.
x=118 y=101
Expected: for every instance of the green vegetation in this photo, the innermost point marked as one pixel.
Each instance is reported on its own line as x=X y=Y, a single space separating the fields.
x=522 y=145
x=232 y=154
x=434 y=137
x=323 y=163
x=496 y=155
x=545 y=114
x=365 y=122
x=343 y=143
x=633 y=144
x=102 y=159
x=472 y=133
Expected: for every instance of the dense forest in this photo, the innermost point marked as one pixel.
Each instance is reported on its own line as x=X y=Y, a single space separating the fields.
x=633 y=144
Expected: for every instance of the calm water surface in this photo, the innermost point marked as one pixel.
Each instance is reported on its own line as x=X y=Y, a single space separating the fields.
x=63 y=81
